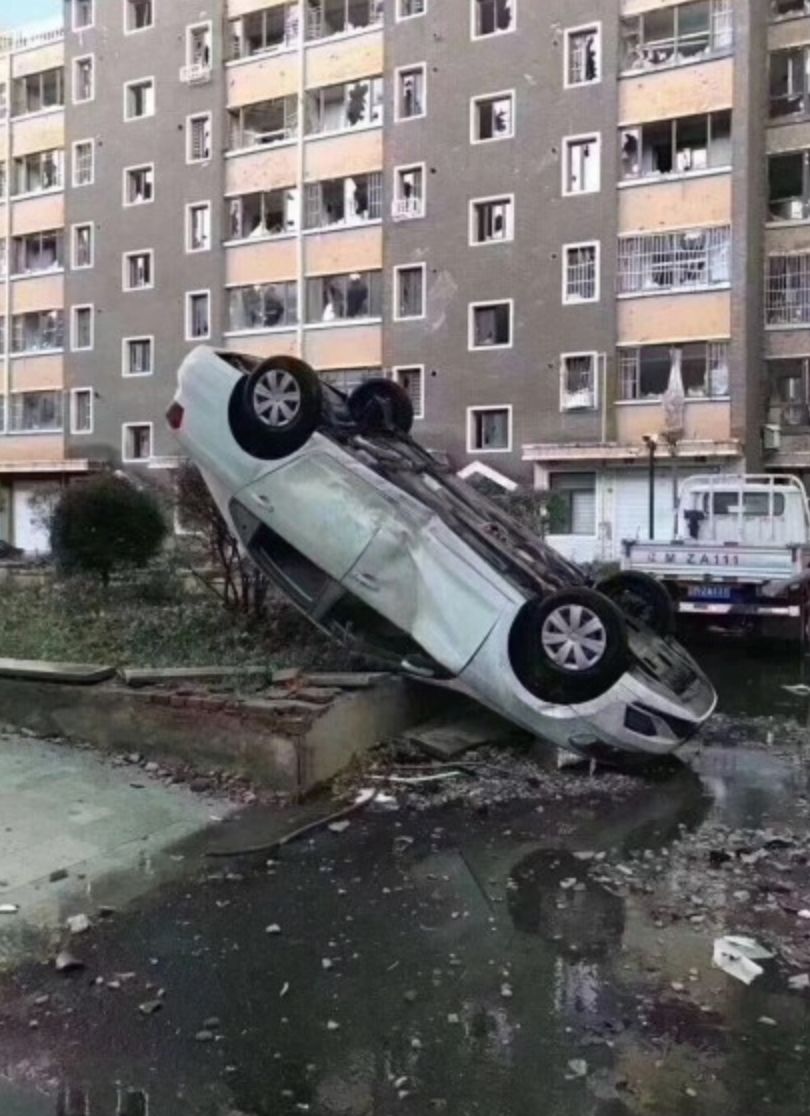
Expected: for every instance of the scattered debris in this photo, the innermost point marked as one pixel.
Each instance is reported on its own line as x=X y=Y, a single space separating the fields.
x=149 y=1007
x=66 y=962
x=273 y=928
x=339 y=826
x=578 y=1067
x=800 y=982
x=9 y=908
x=800 y=690
x=58 y=875
x=78 y=924
x=331 y=1025
x=737 y=956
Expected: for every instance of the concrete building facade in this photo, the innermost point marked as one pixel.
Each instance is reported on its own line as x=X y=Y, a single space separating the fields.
x=570 y=230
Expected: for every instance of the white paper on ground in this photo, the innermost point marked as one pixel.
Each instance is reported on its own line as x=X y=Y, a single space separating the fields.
x=738 y=955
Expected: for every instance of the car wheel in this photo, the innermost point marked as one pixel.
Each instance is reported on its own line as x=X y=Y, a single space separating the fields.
x=569 y=647
x=381 y=405
x=642 y=598
x=276 y=409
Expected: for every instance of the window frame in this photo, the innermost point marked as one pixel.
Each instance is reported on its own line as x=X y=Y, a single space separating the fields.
x=73 y=179
x=397 y=292
x=623 y=180
x=593 y=354
x=420 y=67
x=478 y=99
x=493 y=199
x=138 y=30
x=476 y=37
x=73 y=253
x=75 y=100
x=203 y=203
x=129 y=255
x=473 y=410
x=74 y=314
x=125 y=427
x=566 y=248
x=125 y=343
x=190 y=119
x=73 y=425
x=188 y=301
x=400 y=18
x=397 y=199
x=484 y=304
x=74 y=8
x=199 y=25
x=126 y=173
x=418 y=412
x=580 y=139
x=128 y=85
x=568 y=34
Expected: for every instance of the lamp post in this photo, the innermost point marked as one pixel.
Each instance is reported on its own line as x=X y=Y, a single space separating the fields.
x=651 y=442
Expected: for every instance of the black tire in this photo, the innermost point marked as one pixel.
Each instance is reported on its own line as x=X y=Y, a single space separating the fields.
x=275 y=410
x=589 y=670
x=641 y=598
x=378 y=405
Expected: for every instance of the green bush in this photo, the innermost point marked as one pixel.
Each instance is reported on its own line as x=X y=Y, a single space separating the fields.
x=105 y=524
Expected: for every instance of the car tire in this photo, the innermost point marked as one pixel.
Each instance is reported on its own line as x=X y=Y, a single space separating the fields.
x=378 y=405
x=276 y=409
x=642 y=598
x=570 y=646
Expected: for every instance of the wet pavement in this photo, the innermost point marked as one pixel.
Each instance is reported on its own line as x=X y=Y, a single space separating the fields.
x=550 y=955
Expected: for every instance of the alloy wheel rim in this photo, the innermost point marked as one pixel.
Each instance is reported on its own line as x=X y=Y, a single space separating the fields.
x=277 y=398
x=574 y=638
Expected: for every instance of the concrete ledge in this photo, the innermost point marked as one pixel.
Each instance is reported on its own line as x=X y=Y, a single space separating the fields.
x=77 y=673
x=287 y=746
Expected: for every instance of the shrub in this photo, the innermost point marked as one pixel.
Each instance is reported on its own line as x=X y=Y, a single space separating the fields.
x=105 y=524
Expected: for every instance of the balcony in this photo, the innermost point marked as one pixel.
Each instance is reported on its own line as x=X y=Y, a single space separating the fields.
x=407 y=209
x=197 y=73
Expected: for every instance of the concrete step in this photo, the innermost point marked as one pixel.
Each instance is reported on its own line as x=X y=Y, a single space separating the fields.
x=78 y=674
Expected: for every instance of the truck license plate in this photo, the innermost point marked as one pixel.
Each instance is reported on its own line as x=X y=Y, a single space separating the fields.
x=710 y=593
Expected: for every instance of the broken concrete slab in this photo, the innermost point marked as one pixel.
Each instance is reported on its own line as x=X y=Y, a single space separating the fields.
x=352 y=680
x=137 y=678
x=78 y=674
x=448 y=737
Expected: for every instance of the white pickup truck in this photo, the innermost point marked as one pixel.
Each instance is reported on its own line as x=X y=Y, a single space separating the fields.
x=740 y=555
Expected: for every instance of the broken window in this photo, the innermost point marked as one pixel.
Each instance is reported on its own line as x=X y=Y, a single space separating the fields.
x=140 y=99
x=671 y=261
x=344 y=297
x=491 y=325
x=676 y=35
x=582 y=61
x=139 y=185
x=36 y=92
x=581 y=169
x=36 y=412
x=37 y=332
x=334 y=17
x=412 y=380
x=82 y=328
x=198 y=315
x=410 y=92
x=789 y=82
x=81 y=411
x=138 y=355
x=82 y=255
x=139 y=15
x=787 y=290
x=409 y=292
x=686 y=145
x=581 y=273
x=198 y=50
x=695 y=370
x=492 y=17
x=353 y=104
x=344 y=201
x=578 y=389
x=493 y=117
x=789 y=390
x=574 y=496
x=408 y=8
x=409 y=193
x=137 y=270
x=39 y=251
x=261 y=215
x=37 y=172
x=263 y=306
x=782 y=9
x=263 y=123
x=83 y=163
x=269 y=29
x=82 y=79
x=489 y=429
x=789 y=186
x=82 y=14
x=492 y=220
x=198 y=138
x=137 y=441
x=198 y=230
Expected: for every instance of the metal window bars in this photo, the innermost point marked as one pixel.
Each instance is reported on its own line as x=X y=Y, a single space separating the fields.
x=580 y=273
x=36 y=412
x=579 y=382
x=787 y=290
x=688 y=259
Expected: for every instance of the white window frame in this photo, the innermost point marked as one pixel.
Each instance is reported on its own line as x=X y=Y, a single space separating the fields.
x=418 y=413
x=492 y=34
x=206 y=24
x=79 y=143
x=138 y=167
x=189 y=119
x=74 y=7
x=125 y=426
x=139 y=81
x=139 y=30
x=396 y=192
x=189 y=296
x=483 y=304
x=397 y=76
x=125 y=341
x=510 y=198
x=566 y=301
x=478 y=99
x=595 y=359
x=472 y=411
x=568 y=142
x=74 y=392
x=126 y=257
x=593 y=25
x=198 y=205
x=400 y=18
x=397 y=317
x=74 y=313
x=73 y=230
x=91 y=58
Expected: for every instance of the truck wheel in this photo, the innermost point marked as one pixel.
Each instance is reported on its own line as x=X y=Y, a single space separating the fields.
x=275 y=410
x=379 y=405
x=569 y=647
x=641 y=598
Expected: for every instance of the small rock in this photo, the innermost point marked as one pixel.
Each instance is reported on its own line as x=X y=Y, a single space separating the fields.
x=66 y=963
x=40 y=1001
x=285 y=988
x=212 y=1023
x=327 y=964
x=9 y=908
x=78 y=924
x=204 y=1036
x=410 y=996
x=676 y=986
x=200 y=785
x=106 y=912
x=152 y=767
x=134 y=757
x=578 y=1067
x=149 y=1007
x=331 y=1025
x=506 y=991
x=273 y=928
x=453 y=1017
x=767 y=1021
x=339 y=826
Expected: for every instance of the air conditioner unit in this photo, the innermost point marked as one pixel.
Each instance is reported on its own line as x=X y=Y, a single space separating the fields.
x=771 y=437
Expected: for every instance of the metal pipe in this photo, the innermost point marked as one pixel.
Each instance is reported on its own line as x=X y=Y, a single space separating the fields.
x=651 y=448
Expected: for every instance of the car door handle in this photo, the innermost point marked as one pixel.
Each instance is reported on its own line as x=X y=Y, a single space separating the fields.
x=367 y=579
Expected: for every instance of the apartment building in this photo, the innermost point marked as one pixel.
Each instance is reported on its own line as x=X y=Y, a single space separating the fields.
x=571 y=230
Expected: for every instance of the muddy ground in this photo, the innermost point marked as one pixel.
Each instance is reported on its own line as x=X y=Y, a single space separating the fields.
x=513 y=941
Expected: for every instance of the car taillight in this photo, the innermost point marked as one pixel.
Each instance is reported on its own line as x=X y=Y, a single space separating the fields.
x=174 y=416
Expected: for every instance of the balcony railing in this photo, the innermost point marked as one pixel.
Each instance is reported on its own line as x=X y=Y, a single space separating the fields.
x=794 y=414
x=26 y=38
x=197 y=73
x=405 y=209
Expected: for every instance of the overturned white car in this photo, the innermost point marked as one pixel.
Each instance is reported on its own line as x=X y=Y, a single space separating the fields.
x=390 y=552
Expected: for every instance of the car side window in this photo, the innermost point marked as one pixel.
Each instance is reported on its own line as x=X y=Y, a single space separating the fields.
x=278 y=559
